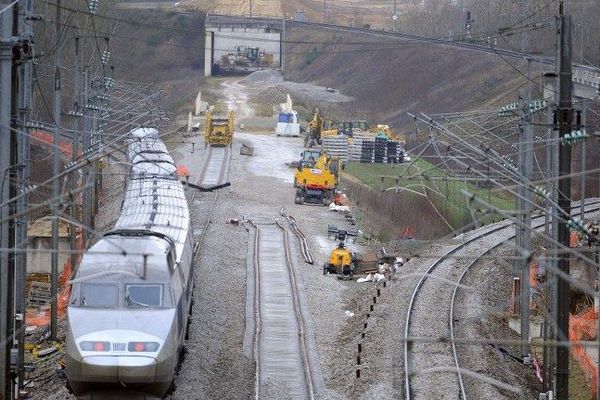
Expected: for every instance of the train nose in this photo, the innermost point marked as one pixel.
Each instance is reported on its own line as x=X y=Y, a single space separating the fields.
x=118 y=356
x=119 y=368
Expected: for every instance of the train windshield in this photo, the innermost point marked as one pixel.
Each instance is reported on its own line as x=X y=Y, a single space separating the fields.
x=143 y=295
x=99 y=295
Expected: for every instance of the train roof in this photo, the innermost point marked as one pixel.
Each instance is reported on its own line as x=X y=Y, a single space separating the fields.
x=156 y=204
x=118 y=258
x=140 y=133
x=147 y=170
x=152 y=157
x=147 y=145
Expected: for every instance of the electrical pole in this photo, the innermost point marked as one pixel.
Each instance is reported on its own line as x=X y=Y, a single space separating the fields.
x=6 y=45
x=75 y=149
x=55 y=171
x=395 y=18
x=523 y=234
x=524 y=209
x=86 y=143
x=283 y=45
x=581 y=126
x=565 y=121
x=25 y=32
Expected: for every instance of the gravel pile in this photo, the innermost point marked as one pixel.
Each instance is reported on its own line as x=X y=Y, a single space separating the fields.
x=301 y=92
x=265 y=77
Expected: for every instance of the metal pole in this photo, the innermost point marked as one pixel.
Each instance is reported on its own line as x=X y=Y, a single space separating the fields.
x=395 y=17
x=524 y=246
x=598 y=325
x=75 y=149
x=56 y=182
x=5 y=156
x=283 y=45
x=565 y=120
x=86 y=142
x=25 y=31
x=583 y=162
x=95 y=138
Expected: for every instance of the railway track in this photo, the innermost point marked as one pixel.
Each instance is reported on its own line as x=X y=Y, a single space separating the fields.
x=452 y=266
x=215 y=167
x=280 y=340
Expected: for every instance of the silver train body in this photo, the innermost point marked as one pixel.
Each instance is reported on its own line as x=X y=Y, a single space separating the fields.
x=131 y=296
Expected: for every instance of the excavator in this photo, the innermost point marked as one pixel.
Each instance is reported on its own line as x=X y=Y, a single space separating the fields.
x=316 y=177
x=319 y=127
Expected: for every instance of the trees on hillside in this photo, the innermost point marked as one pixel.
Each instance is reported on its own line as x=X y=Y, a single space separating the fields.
x=506 y=23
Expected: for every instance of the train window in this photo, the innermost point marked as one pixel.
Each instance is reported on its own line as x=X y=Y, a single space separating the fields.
x=143 y=295
x=99 y=295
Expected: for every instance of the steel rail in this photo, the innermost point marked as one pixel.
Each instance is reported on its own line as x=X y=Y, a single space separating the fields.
x=298 y=315
x=308 y=258
x=205 y=166
x=224 y=165
x=257 y=318
x=204 y=180
x=501 y=226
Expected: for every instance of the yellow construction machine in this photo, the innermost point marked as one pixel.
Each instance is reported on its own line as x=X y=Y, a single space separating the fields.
x=218 y=131
x=341 y=260
x=319 y=127
x=384 y=130
x=316 y=177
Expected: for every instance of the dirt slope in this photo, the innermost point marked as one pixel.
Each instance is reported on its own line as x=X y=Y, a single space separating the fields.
x=389 y=78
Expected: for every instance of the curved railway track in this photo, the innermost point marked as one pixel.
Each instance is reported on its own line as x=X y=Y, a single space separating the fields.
x=448 y=268
x=280 y=343
x=215 y=167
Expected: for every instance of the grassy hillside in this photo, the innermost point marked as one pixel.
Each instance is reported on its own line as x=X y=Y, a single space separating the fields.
x=424 y=201
x=167 y=50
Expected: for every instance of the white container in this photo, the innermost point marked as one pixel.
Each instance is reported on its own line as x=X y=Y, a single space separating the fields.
x=287 y=124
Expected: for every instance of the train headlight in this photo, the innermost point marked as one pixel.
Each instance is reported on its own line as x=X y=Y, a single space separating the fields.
x=94 y=346
x=143 y=346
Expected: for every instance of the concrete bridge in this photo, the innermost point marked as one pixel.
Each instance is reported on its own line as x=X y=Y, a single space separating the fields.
x=225 y=33
x=237 y=44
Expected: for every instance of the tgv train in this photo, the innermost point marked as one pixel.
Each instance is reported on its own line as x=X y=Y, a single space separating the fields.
x=131 y=296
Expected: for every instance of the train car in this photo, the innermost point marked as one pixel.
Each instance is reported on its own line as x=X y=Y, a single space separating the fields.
x=132 y=294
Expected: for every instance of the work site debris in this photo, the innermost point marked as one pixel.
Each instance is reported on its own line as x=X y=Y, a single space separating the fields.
x=349 y=314
x=334 y=207
x=246 y=150
x=45 y=352
x=340 y=199
x=376 y=277
x=39 y=293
